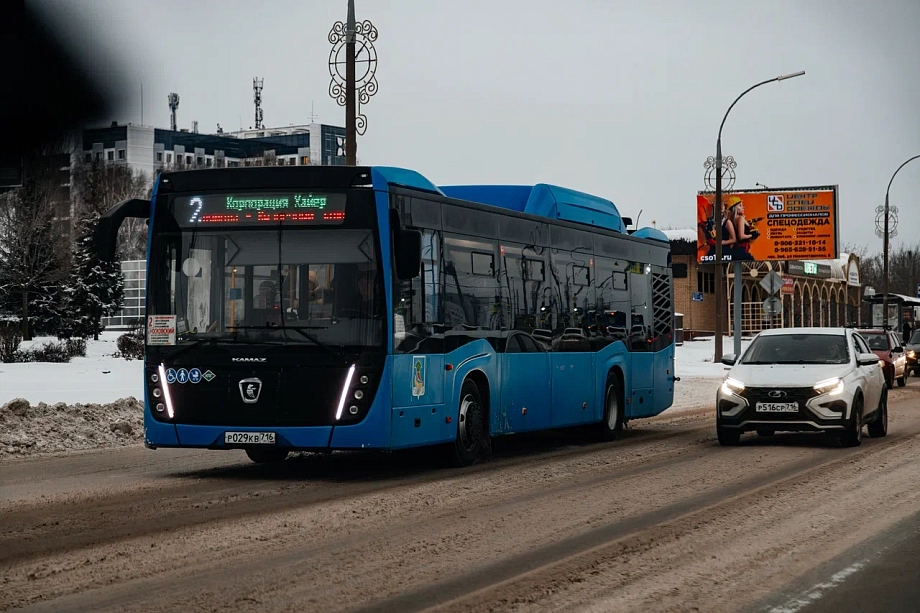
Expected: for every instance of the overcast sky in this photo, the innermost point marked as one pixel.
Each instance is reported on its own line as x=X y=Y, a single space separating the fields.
x=621 y=98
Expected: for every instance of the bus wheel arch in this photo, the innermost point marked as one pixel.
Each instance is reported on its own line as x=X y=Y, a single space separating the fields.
x=614 y=405
x=472 y=441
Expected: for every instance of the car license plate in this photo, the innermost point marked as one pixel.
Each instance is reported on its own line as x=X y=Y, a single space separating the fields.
x=777 y=407
x=249 y=438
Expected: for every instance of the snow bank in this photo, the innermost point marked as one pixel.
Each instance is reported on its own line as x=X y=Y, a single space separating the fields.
x=26 y=429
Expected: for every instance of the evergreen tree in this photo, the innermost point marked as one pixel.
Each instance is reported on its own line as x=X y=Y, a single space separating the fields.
x=94 y=289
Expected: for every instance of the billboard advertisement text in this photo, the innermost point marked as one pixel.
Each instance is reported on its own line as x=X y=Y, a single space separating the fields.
x=781 y=224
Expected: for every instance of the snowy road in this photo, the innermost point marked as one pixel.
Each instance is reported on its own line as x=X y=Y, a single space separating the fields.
x=662 y=520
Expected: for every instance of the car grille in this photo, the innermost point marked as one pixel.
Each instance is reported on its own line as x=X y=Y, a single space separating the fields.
x=800 y=395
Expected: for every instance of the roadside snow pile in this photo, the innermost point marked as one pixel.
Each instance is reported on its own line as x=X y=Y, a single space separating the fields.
x=700 y=377
x=52 y=428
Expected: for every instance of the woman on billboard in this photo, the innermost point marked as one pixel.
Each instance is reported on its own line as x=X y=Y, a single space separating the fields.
x=743 y=231
x=728 y=236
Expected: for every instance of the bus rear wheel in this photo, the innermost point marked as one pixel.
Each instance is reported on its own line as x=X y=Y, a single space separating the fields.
x=267 y=456
x=612 y=423
x=468 y=446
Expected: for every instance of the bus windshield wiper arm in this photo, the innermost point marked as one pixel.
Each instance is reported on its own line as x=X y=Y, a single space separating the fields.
x=213 y=340
x=302 y=330
x=196 y=343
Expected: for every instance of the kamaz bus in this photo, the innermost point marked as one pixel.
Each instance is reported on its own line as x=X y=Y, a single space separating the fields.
x=324 y=308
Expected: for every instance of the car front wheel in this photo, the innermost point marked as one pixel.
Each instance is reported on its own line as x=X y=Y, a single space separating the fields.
x=728 y=437
x=852 y=436
x=879 y=427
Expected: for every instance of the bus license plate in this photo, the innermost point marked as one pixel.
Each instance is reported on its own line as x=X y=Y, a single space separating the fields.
x=777 y=407
x=249 y=438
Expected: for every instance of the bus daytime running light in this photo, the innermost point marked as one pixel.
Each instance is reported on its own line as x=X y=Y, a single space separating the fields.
x=344 y=396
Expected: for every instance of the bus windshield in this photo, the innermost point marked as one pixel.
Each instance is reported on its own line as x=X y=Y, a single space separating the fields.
x=274 y=282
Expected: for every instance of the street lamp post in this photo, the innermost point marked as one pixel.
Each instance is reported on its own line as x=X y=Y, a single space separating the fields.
x=352 y=66
x=885 y=241
x=717 y=214
x=351 y=132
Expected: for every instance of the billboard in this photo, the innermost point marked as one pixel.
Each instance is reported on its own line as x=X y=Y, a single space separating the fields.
x=795 y=223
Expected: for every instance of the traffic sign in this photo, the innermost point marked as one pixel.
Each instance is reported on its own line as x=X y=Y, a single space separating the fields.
x=773 y=282
x=772 y=306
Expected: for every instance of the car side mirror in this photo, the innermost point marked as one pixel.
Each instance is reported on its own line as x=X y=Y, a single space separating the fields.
x=867 y=359
x=729 y=359
x=898 y=349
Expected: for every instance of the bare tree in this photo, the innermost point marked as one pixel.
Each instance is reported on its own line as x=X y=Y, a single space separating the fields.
x=860 y=251
x=101 y=186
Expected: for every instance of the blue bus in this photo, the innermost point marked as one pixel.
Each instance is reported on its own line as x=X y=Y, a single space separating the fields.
x=322 y=308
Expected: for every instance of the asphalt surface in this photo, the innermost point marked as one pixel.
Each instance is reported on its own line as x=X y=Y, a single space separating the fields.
x=881 y=575
x=663 y=519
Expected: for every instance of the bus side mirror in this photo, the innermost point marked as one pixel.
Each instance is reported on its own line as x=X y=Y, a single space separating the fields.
x=408 y=249
x=106 y=237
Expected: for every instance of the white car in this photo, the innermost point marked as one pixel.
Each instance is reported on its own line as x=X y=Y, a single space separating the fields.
x=803 y=379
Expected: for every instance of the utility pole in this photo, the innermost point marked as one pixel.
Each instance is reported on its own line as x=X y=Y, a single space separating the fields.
x=352 y=66
x=351 y=132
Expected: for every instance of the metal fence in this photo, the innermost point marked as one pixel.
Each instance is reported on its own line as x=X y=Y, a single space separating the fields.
x=753 y=319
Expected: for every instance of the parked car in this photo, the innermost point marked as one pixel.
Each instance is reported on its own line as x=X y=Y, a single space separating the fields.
x=911 y=351
x=886 y=344
x=803 y=379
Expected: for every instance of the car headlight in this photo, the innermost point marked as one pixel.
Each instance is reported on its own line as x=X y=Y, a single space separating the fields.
x=732 y=386
x=831 y=387
x=881 y=363
x=911 y=354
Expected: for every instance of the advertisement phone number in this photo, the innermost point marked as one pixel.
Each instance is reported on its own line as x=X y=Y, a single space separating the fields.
x=799 y=249
x=801 y=243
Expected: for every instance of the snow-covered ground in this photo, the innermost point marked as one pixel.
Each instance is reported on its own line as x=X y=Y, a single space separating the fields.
x=699 y=375
x=99 y=377
x=92 y=401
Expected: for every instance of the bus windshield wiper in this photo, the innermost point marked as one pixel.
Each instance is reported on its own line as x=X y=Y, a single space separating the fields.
x=196 y=343
x=302 y=330
x=213 y=340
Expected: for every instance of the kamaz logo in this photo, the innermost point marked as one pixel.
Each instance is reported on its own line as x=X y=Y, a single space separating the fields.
x=249 y=359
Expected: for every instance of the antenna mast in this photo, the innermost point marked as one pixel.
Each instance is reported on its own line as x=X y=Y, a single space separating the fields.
x=173 y=107
x=257 y=98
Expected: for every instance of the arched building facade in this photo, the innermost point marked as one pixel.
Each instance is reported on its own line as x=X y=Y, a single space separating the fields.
x=813 y=293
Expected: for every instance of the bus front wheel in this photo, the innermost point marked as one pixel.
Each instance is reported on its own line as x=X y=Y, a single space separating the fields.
x=468 y=445
x=613 y=408
x=267 y=456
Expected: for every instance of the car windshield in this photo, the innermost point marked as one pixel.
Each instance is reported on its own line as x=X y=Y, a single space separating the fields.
x=876 y=341
x=915 y=339
x=797 y=349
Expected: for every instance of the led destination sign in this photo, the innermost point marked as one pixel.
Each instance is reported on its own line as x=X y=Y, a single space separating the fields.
x=304 y=207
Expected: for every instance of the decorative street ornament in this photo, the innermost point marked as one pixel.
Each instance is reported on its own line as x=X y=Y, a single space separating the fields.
x=365 y=66
x=728 y=173
x=880 y=221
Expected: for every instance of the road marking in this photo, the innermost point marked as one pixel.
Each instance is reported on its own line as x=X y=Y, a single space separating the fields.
x=819 y=590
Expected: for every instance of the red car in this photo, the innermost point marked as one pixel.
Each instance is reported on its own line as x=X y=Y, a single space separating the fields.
x=887 y=346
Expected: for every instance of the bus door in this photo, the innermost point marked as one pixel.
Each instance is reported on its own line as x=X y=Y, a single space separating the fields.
x=573 y=379
x=525 y=396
